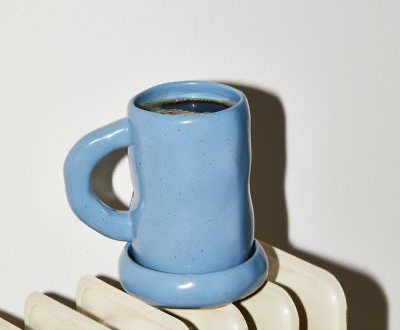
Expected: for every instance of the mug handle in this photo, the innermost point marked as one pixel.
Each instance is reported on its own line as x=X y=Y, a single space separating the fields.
x=78 y=167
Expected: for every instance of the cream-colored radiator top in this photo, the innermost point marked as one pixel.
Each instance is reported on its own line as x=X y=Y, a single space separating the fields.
x=297 y=295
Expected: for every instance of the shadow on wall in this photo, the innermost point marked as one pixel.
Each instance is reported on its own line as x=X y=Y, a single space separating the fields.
x=18 y=322
x=366 y=301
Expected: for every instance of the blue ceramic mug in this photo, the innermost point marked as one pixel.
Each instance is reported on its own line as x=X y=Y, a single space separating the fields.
x=191 y=211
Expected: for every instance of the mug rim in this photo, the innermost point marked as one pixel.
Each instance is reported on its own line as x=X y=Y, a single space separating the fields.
x=214 y=90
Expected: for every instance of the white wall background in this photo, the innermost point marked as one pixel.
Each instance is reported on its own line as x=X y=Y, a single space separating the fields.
x=68 y=67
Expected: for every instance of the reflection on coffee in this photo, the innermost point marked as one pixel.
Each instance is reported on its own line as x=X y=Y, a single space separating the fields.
x=186 y=106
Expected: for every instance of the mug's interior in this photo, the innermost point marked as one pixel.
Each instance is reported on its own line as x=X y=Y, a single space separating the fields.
x=183 y=98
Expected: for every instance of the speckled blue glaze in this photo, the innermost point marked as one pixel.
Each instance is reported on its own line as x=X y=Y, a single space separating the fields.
x=193 y=290
x=191 y=212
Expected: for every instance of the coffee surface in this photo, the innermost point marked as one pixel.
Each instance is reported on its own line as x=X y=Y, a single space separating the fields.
x=186 y=106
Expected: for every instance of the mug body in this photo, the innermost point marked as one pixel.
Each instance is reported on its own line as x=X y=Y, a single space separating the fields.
x=191 y=211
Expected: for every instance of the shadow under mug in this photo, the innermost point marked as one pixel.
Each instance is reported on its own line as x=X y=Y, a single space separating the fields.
x=191 y=211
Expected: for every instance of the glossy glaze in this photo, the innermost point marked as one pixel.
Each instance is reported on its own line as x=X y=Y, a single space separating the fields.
x=271 y=307
x=193 y=290
x=192 y=210
x=118 y=310
x=78 y=167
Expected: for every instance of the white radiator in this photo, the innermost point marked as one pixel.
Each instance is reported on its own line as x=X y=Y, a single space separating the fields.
x=297 y=295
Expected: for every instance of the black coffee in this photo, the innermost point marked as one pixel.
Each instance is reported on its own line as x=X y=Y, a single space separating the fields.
x=186 y=106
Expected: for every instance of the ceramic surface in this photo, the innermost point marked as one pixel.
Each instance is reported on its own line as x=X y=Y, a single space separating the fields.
x=319 y=297
x=271 y=307
x=118 y=310
x=44 y=313
x=193 y=290
x=227 y=317
x=191 y=211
